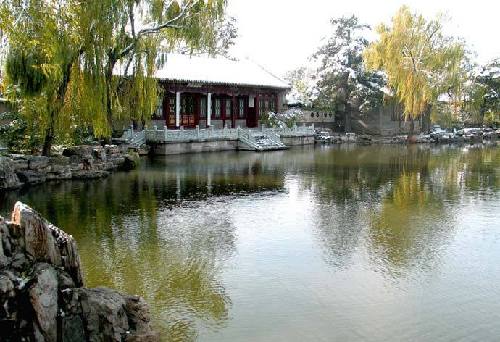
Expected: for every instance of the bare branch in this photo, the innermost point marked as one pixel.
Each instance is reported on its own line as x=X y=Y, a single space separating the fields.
x=131 y=18
x=169 y=24
x=146 y=31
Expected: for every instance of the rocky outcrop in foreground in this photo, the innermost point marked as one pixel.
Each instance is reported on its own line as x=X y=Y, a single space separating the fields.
x=79 y=162
x=42 y=297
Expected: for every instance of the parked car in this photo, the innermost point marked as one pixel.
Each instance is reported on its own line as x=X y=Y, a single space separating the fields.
x=323 y=137
x=471 y=134
x=436 y=132
x=489 y=133
x=423 y=138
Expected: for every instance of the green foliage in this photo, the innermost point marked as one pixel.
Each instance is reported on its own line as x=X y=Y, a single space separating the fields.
x=64 y=56
x=484 y=94
x=420 y=62
x=22 y=67
x=344 y=85
x=220 y=38
x=303 y=83
x=15 y=133
x=41 y=51
x=446 y=115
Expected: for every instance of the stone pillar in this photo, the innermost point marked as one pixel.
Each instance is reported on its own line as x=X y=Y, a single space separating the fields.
x=234 y=112
x=177 y=109
x=209 y=109
x=257 y=109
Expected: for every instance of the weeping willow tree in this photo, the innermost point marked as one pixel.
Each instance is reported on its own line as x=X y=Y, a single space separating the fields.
x=42 y=50
x=121 y=55
x=420 y=62
x=80 y=64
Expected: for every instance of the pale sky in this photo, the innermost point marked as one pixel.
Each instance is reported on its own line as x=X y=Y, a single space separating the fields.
x=282 y=34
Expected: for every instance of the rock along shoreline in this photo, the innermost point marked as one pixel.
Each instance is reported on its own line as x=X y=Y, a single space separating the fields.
x=79 y=162
x=42 y=297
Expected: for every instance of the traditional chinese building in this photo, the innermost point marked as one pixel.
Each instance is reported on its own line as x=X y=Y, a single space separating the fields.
x=216 y=92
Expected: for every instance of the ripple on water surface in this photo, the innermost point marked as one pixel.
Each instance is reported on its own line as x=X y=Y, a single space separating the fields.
x=381 y=243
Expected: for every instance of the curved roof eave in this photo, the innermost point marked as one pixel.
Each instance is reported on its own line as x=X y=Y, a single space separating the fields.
x=226 y=83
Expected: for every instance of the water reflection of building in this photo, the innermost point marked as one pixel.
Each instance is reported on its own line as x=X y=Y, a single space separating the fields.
x=165 y=231
x=220 y=174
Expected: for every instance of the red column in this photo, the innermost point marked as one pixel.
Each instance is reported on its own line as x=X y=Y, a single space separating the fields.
x=197 y=109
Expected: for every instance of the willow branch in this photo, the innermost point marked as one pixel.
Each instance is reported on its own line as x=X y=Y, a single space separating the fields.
x=168 y=24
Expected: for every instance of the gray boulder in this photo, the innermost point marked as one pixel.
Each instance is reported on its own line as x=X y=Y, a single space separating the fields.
x=41 y=293
x=8 y=176
x=32 y=177
x=47 y=243
x=130 y=162
x=38 y=162
x=44 y=299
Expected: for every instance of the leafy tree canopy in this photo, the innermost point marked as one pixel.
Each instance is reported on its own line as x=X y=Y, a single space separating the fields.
x=225 y=33
x=343 y=82
x=485 y=94
x=420 y=61
x=63 y=57
x=304 y=88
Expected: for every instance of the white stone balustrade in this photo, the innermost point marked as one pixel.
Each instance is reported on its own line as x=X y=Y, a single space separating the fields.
x=164 y=135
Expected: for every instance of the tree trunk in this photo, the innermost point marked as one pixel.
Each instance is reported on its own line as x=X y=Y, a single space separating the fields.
x=347 y=121
x=411 y=136
x=426 y=119
x=47 y=142
x=48 y=139
x=54 y=112
x=347 y=117
x=109 y=108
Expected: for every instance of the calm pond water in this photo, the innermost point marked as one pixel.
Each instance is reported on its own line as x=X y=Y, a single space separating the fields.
x=379 y=243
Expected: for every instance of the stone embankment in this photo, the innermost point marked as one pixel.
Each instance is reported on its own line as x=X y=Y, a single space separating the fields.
x=80 y=162
x=42 y=297
x=365 y=139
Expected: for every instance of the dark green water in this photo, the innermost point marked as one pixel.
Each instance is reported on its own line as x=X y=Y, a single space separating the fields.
x=381 y=243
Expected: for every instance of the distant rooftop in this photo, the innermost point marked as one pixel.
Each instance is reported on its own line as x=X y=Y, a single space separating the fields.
x=196 y=69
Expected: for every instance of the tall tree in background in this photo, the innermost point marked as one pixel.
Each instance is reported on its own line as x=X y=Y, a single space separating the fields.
x=303 y=82
x=344 y=85
x=484 y=96
x=64 y=55
x=420 y=62
x=226 y=35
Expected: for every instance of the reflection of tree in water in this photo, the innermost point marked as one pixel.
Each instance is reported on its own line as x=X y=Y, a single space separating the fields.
x=176 y=269
x=415 y=218
x=410 y=226
x=481 y=169
x=130 y=240
x=346 y=186
x=397 y=192
x=165 y=231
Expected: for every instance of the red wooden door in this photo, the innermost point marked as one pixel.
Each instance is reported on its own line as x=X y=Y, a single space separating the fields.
x=189 y=110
